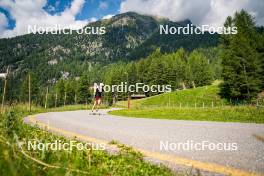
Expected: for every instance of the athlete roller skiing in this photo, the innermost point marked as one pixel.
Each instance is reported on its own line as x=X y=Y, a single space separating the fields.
x=98 y=92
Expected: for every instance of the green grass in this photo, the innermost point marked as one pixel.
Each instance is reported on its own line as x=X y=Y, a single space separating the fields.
x=199 y=97
x=36 y=109
x=223 y=114
x=201 y=104
x=76 y=162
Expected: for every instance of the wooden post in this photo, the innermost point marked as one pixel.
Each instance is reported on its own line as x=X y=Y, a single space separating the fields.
x=4 y=91
x=193 y=84
x=169 y=99
x=203 y=104
x=114 y=100
x=90 y=156
x=46 y=99
x=56 y=98
x=128 y=102
x=75 y=99
x=65 y=97
x=3 y=97
x=183 y=86
x=29 y=92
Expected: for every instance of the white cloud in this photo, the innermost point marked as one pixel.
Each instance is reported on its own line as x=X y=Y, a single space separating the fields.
x=212 y=12
x=103 y=5
x=93 y=19
x=31 y=12
x=3 y=22
x=107 y=16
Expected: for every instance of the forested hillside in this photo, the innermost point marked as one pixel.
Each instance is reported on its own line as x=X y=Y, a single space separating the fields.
x=50 y=58
x=132 y=50
x=128 y=36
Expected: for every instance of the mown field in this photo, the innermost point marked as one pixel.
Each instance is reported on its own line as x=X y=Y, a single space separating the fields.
x=199 y=97
x=15 y=159
x=222 y=114
x=200 y=104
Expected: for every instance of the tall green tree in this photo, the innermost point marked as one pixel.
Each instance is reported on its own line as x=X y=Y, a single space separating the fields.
x=198 y=70
x=260 y=50
x=179 y=67
x=60 y=92
x=240 y=59
x=83 y=91
x=70 y=89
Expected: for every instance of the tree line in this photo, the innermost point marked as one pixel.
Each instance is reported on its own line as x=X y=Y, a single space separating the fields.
x=180 y=69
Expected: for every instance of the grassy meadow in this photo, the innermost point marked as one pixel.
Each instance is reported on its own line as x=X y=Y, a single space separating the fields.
x=200 y=104
x=17 y=160
x=245 y=114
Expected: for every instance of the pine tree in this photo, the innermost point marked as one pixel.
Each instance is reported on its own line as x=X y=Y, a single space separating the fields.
x=142 y=70
x=179 y=65
x=260 y=50
x=241 y=61
x=83 y=91
x=60 y=91
x=198 y=69
x=70 y=87
x=132 y=73
x=157 y=73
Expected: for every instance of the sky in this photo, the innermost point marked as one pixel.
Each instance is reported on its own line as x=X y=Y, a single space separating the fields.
x=17 y=15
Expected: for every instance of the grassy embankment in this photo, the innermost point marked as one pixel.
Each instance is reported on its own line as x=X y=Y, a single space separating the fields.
x=203 y=104
x=20 y=161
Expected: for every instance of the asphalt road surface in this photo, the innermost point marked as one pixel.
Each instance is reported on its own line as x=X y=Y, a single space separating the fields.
x=235 y=145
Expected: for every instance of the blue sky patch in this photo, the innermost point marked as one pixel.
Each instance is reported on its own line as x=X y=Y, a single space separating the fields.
x=91 y=8
x=11 y=21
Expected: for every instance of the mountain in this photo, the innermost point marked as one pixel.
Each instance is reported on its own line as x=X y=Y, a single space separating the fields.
x=129 y=36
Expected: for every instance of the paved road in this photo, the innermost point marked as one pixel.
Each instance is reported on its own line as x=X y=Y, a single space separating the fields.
x=149 y=134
